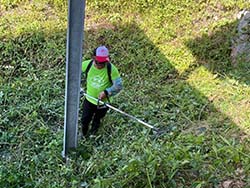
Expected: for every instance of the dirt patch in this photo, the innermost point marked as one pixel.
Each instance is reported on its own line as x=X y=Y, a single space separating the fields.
x=198 y=128
x=101 y=24
x=232 y=184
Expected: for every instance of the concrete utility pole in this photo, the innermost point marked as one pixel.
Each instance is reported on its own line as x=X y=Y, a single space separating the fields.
x=76 y=11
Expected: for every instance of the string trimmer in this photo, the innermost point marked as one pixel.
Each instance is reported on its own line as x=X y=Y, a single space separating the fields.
x=156 y=130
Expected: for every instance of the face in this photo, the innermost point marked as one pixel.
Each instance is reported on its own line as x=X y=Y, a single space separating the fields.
x=100 y=65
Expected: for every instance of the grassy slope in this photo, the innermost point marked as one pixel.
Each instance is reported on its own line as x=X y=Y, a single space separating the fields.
x=175 y=63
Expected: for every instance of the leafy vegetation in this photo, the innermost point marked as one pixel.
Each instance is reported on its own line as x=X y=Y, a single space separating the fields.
x=174 y=57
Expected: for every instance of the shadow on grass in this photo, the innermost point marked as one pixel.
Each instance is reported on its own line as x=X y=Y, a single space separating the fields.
x=159 y=94
x=153 y=89
x=156 y=93
x=214 y=52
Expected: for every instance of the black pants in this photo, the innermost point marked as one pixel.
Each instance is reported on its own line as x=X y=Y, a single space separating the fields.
x=91 y=112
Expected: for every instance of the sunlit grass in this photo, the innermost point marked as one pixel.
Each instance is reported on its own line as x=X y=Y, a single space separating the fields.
x=175 y=64
x=228 y=95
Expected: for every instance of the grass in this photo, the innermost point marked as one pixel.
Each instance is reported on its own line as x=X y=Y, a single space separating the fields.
x=174 y=58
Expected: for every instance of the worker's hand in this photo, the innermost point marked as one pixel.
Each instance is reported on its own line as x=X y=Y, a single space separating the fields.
x=102 y=95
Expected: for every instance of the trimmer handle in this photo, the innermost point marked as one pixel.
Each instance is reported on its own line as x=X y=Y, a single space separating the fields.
x=102 y=106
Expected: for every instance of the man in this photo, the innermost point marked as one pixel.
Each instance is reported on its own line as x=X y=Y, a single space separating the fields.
x=103 y=81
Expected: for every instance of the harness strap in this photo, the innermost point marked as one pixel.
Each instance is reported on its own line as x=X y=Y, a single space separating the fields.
x=109 y=69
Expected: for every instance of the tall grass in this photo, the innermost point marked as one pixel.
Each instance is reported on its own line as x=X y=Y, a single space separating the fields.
x=174 y=58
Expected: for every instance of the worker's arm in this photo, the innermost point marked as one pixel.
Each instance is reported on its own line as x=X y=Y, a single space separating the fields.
x=115 y=88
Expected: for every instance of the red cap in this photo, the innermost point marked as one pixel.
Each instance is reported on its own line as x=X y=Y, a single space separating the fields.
x=102 y=54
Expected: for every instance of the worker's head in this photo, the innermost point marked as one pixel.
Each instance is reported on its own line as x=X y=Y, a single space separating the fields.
x=101 y=56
